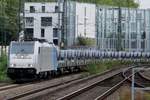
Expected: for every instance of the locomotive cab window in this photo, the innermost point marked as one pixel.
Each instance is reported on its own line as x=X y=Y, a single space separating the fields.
x=22 y=48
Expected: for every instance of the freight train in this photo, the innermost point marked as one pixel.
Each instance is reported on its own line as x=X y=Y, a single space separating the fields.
x=35 y=59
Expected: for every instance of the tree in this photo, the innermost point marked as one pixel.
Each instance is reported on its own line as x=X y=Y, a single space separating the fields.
x=123 y=3
x=8 y=20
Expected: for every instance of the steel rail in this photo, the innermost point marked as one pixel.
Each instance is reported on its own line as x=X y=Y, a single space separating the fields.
x=101 y=97
x=19 y=96
x=81 y=90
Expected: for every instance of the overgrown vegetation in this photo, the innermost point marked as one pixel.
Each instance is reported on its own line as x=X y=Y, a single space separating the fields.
x=3 y=67
x=122 y=3
x=83 y=41
x=95 y=68
x=146 y=96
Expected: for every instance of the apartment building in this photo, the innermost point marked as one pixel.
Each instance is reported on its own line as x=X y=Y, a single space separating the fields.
x=42 y=20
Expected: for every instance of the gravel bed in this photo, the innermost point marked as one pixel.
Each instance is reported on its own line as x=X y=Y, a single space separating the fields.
x=7 y=94
x=99 y=89
x=53 y=94
x=3 y=84
x=94 y=91
x=146 y=74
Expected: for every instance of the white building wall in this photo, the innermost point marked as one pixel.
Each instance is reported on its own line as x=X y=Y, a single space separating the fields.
x=50 y=7
x=85 y=11
x=49 y=12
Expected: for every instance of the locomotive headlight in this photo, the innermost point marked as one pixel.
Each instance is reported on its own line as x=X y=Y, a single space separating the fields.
x=30 y=65
x=22 y=57
x=12 y=65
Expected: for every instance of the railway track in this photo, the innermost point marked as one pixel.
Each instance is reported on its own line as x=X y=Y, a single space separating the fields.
x=140 y=79
x=93 y=91
x=144 y=76
x=15 y=91
x=31 y=91
x=4 y=84
x=57 y=92
x=71 y=87
x=128 y=73
x=8 y=86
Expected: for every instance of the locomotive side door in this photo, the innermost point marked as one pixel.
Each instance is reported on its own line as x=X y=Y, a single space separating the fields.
x=44 y=59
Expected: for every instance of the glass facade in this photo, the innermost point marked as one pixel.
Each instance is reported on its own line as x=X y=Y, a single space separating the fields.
x=135 y=29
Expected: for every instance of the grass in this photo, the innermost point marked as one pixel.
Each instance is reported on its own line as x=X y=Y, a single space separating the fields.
x=3 y=68
x=125 y=94
x=95 y=68
x=146 y=96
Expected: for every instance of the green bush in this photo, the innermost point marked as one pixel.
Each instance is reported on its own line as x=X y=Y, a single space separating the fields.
x=83 y=41
x=146 y=96
x=102 y=66
x=3 y=68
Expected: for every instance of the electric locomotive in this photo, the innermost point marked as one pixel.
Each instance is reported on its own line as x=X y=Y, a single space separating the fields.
x=31 y=59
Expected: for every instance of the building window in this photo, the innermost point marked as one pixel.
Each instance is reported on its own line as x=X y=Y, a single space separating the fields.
x=29 y=21
x=32 y=9
x=43 y=9
x=29 y=33
x=123 y=27
x=55 y=32
x=133 y=35
x=134 y=44
x=133 y=27
x=46 y=21
x=143 y=35
x=139 y=16
x=123 y=18
x=142 y=26
x=56 y=9
x=42 y=33
x=55 y=41
x=123 y=35
x=142 y=44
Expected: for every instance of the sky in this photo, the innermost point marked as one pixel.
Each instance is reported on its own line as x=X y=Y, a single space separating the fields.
x=144 y=3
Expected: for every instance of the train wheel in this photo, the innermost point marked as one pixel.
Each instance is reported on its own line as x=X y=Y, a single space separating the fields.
x=40 y=75
x=48 y=74
x=45 y=75
x=79 y=69
x=53 y=73
x=72 y=69
x=59 y=72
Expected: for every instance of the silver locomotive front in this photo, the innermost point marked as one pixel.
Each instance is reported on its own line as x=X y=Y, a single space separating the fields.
x=21 y=60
